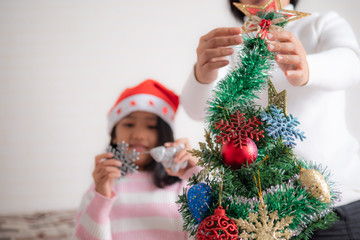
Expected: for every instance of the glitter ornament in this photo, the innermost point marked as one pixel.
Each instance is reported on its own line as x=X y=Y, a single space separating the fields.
x=166 y=157
x=239 y=129
x=217 y=226
x=265 y=226
x=199 y=200
x=239 y=157
x=280 y=126
x=277 y=99
x=315 y=184
x=125 y=156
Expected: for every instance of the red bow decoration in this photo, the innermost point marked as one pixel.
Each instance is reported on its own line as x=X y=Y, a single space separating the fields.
x=265 y=25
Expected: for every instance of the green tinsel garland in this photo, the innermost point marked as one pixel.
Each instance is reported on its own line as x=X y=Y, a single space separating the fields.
x=238 y=89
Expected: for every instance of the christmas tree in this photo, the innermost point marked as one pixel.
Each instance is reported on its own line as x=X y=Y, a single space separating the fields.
x=252 y=185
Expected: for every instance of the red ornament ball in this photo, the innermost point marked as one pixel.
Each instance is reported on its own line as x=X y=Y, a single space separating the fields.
x=239 y=157
x=217 y=226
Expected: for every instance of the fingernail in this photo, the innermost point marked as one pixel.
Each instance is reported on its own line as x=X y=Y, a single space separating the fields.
x=270 y=35
x=279 y=57
x=271 y=47
x=238 y=39
x=229 y=51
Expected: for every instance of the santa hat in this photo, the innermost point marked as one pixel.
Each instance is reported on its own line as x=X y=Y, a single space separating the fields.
x=149 y=96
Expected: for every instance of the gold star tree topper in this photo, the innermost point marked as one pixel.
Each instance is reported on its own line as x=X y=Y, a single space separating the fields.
x=270 y=6
x=269 y=17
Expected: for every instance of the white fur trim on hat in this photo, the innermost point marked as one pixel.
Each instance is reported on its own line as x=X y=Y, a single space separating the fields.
x=141 y=102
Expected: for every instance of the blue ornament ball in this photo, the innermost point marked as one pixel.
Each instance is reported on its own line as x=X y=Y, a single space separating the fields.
x=199 y=200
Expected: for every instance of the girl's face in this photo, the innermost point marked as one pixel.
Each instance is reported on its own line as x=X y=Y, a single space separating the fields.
x=262 y=2
x=139 y=130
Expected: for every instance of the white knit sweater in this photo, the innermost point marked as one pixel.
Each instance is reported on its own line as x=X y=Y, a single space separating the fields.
x=333 y=57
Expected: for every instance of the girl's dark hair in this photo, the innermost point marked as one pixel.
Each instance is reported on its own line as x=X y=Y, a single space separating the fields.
x=239 y=15
x=165 y=134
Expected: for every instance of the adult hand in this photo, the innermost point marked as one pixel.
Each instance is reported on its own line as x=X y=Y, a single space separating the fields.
x=182 y=156
x=290 y=56
x=211 y=52
x=105 y=172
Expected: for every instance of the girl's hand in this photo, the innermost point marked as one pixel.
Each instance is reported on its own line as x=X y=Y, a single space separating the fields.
x=291 y=57
x=211 y=52
x=105 y=172
x=182 y=156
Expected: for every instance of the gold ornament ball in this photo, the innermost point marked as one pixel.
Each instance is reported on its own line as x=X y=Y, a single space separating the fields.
x=315 y=183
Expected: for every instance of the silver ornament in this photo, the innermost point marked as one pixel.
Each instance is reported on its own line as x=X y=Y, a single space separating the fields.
x=166 y=157
x=127 y=158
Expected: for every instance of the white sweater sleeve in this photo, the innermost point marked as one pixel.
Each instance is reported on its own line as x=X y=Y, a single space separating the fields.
x=194 y=97
x=336 y=63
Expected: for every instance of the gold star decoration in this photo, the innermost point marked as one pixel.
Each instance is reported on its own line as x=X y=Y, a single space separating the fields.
x=270 y=17
x=264 y=227
x=270 y=6
x=267 y=226
x=277 y=99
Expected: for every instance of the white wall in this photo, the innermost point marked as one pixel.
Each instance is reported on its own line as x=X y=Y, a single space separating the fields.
x=62 y=65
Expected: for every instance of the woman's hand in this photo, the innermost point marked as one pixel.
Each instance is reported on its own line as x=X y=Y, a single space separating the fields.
x=211 y=52
x=105 y=172
x=182 y=156
x=290 y=56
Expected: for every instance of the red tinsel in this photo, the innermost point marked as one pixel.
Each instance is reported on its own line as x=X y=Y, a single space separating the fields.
x=217 y=226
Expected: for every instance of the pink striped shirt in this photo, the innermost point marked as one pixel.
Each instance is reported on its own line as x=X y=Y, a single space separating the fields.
x=138 y=210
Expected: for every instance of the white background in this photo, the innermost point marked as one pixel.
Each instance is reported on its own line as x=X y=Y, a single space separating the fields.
x=63 y=64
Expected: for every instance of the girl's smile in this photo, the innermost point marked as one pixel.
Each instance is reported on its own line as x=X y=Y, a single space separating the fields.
x=139 y=148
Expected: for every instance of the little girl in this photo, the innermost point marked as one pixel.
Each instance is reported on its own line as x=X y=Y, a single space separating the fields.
x=139 y=205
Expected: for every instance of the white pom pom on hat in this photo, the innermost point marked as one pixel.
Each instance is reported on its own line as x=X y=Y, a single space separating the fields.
x=149 y=96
